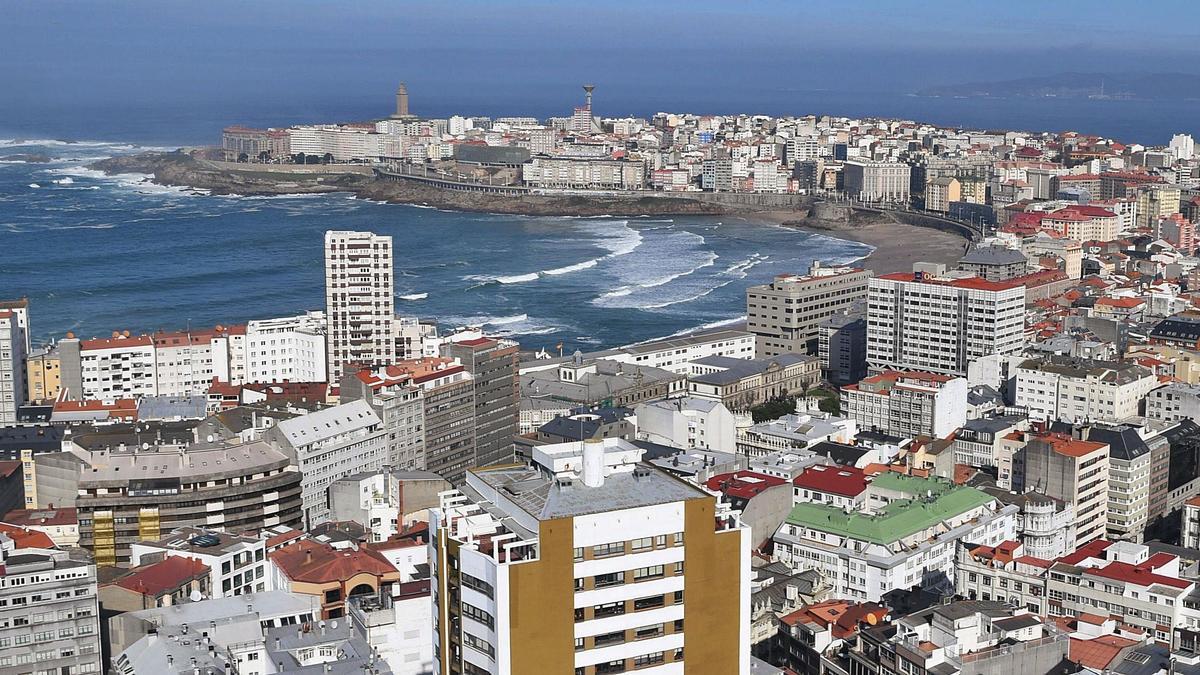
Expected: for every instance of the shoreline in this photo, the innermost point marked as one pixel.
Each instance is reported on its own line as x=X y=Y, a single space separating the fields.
x=897 y=245
x=893 y=241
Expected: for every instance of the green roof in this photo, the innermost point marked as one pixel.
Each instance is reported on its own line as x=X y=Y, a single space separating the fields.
x=901 y=518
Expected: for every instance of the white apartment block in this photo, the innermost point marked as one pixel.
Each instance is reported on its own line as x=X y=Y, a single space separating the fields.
x=12 y=366
x=687 y=423
x=1190 y=527
x=330 y=444
x=237 y=564
x=905 y=535
x=117 y=367
x=877 y=181
x=288 y=349
x=359 y=301
x=1174 y=402
x=1079 y=390
x=674 y=354
x=49 y=617
x=786 y=314
x=907 y=403
x=579 y=563
x=942 y=323
x=1006 y=572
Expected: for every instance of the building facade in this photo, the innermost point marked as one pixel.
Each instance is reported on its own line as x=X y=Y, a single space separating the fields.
x=359 y=301
x=785 y=314
x=493 y=368
x=941 y=323
x=598 y=564
x=907 y=403
x=49 y=619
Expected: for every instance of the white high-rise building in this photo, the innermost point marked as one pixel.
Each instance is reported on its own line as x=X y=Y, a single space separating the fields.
x=12 y=366
x=1183 y=146
x=290 y=348
x=359 y=300
x=940 y=322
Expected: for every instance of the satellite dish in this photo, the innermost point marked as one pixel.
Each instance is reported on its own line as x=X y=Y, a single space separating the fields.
x=195 y=596
x=333 y=624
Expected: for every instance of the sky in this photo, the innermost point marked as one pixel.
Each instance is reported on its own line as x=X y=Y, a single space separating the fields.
x=303 y=60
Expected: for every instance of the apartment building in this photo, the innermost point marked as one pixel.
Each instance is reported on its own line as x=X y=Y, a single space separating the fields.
x=907 y=403
x=674 y=354
x=1078 y=390
x=785 y=315
x=904 y=536
x=327 y=445
x=1189 y=536
x=1174 y=402
x=687 y=422
x=400 y=403
x=584 y=173
x=1124 y=581
x=290 y=349
x=493 y=368
x=1006 y=572
x=940 y=322
x=580 y=562
x=1129 y=479
x=43 y=375
x=225 y=487
x=236 y=563
x=994 y=263
x=842 y=345
x=877 y=181
x=1045 y=525
x=359 y=301
x=448 y=400
x=941 y=192
x=1155 y=202
x=12 y=366
x=49 y=616
x=795 y=432
x=1071 y=469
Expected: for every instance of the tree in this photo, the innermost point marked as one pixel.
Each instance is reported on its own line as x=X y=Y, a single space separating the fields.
x=243 y=157
x=300 y=158
x=264 y=156
x=327 y=158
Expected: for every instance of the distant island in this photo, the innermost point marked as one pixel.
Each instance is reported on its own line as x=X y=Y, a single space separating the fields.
x=1111 y=86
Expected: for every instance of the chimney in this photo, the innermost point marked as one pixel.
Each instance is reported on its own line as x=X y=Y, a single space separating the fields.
x=593 y=462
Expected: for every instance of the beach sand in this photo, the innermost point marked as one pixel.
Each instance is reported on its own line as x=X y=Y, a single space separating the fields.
x=897 y=245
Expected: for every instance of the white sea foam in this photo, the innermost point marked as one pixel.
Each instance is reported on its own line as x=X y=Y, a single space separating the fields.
x=414 y=296
x=577 y=267
x=63 y=181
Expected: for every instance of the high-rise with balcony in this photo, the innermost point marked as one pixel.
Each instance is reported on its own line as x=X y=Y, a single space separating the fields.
x=588 y=562
x=12 y=366
x=940 y=322
x=359 y=300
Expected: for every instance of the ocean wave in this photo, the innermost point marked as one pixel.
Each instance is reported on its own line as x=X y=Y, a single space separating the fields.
x=34 y=185
x=414 y=296
x=63 y=181
x=577 y=267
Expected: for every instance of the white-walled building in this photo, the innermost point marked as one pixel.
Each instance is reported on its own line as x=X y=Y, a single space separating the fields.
x=907 y=403
x=359 y=301
x=1078 y=390
x=237 y=564
x=327 y=445
x=905 y=535
x=687 y=423
x=580 y=561
x=795 y=432
x=941 y=322
x=290 y=348
x=12 y=366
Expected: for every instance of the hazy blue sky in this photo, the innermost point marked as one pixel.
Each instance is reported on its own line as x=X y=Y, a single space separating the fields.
x=307 y=59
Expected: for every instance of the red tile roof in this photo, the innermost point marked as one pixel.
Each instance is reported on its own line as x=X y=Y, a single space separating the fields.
x=26 y=538
x=163 y=576
x=841 y=481
x=742 y=484
x=312 y=562
x=1097 y=653
x=32 y=517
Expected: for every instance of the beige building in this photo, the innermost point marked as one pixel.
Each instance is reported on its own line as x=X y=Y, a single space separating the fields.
x=941 y=192
x=588 y=562
x=877 y=181
x=785 y=315
x=1155 y=202
x=43 y=375
x=1071 y=469
x=584 y=173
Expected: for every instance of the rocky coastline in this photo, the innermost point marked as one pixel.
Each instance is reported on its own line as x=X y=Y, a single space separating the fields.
x=897 y=244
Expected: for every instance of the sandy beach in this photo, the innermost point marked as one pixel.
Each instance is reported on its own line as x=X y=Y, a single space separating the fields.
x=897 y=245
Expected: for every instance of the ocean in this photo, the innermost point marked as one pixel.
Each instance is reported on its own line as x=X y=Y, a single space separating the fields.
x=96 y=254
